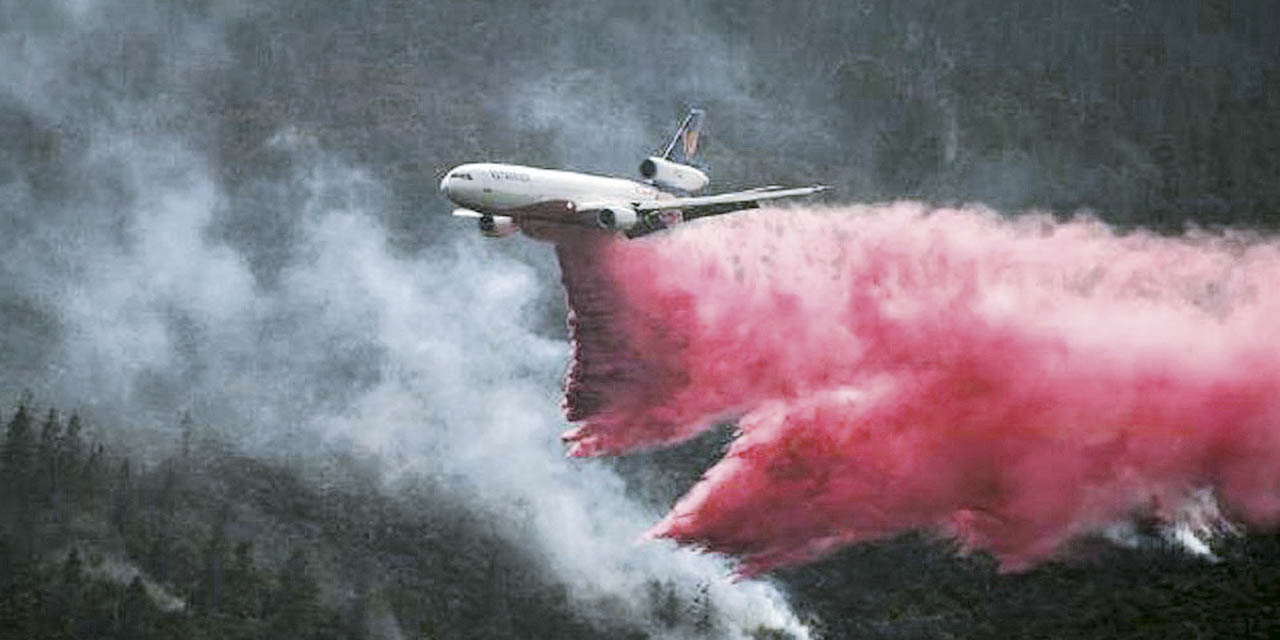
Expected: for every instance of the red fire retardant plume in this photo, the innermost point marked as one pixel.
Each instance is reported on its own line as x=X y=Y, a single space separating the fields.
x=1011 y=383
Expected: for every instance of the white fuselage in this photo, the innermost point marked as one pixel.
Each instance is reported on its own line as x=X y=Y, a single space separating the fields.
x=493 y=188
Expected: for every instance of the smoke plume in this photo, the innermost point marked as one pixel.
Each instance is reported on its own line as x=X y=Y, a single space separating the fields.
x=1009 y=383
x=171 y=242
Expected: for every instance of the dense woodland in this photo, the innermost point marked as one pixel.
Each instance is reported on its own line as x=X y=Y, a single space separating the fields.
x=210 y=543
x=1150 y=113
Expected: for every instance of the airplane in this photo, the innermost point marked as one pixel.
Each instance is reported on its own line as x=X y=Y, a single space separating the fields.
x=506 y=198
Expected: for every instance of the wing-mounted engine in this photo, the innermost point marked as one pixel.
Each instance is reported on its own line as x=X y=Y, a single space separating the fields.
x=673 y=175
x=616 y=218
x=497 y=226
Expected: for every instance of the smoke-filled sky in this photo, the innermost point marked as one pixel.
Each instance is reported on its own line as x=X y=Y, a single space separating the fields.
x=229 y=207
x=202 y=214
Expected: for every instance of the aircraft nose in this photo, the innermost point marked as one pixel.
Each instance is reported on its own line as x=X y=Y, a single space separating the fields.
x=444 y=185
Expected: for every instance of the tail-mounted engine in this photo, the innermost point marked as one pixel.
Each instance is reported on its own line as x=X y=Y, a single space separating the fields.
x=497 y=226
x=673 y=175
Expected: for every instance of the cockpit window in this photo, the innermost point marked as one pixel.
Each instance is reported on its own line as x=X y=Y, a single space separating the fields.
x=461 y=176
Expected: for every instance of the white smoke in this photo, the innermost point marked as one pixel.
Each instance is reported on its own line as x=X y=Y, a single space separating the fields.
x=117 y=570
x=1193 y=525
x=468 y=389
x=429 y=360
x=457 y=383
x=1198 y=522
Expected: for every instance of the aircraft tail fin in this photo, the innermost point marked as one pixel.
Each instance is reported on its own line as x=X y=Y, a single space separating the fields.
x=684 y=146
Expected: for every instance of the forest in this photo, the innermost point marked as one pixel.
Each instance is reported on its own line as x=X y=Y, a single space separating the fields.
x=207 y=542
x=177 y=282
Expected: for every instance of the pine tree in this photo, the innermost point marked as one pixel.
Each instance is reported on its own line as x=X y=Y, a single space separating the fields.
x=122 y=506
x=16 y=455
x=701 y=613
x=6 y=563
x=15 y=482
x=137 y=614
x=245 y=597
x=70 y=448
x=213 y=580
x=70 y=585
x=294 y=604
x=89 y=476
x=70 y=444
x=50 y=433
x=47 y=457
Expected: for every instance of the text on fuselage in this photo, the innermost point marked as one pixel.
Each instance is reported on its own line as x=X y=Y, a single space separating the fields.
x=509 y=175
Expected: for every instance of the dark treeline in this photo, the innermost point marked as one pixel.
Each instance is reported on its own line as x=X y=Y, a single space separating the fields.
x=916 y=586
x=1151 y=113
x=913 y=588
x=208 y=543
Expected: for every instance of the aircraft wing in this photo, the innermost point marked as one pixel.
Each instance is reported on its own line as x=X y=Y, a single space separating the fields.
x=700 y=206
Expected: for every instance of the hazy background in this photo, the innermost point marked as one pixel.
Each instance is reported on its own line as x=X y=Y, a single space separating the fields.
x=230 y=208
